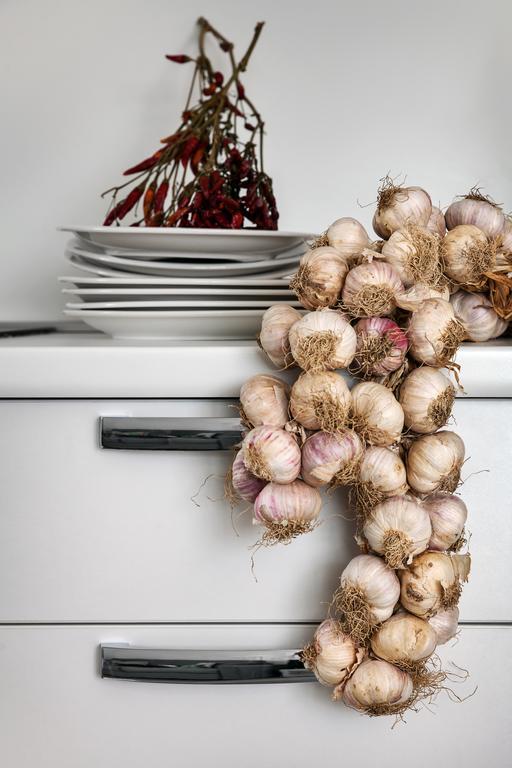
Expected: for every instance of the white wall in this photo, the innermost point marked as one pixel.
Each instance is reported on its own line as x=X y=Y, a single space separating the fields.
x=349 y=91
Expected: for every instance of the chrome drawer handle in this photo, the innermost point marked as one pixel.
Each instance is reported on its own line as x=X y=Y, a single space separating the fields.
x=124 y=662
x=170 y=434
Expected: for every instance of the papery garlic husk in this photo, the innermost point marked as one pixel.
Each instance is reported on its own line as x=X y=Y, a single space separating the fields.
x=367 y=595
x=332 y=656
x=413 y=252
x=371 y=290
x=276 y=322
x=404 y=638
x=331 y=458
x=264 y=400
x=348 y=236
x=321 y=401
x=433 y=582
x=476 y=210
x=381 y=475
x=377 y=416
x=436 y=223
x=240 y=484
x=504 y=247
x=445 y=624
x=468 y=256
x=398 y=529
x=323 y=341
x=448 y=515
x=381 y=347
x=271 y=454
x=378 y=688
x=320 y=277
x=426 y=397
x=477 y=315
x=412 y=298
x=434 y=462
x=434 y=333
x=286 y=511
x=397 y=206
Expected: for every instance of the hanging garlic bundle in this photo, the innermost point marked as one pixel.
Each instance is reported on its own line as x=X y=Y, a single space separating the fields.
x=476 y=210
x=434 y=462
x=448 y=516
x=434 y=333
x=378 y=688
x=398 y=206
x=437 y=223
x=426 y=397
x=468 y=256
x=381 y=475
x=320 y=277
x=381 y=347
x=322 y=341
x=413 y=252
x=398 y=529
x=332 y=655
x=377 y=416
x=433 y=582
x=264 y=400
x=320 y=401
x=348 y=236
x=371 y=289
x=286 y=511
x=276 y=322
x=271 y=454
x=331 y=458
x=476 y=313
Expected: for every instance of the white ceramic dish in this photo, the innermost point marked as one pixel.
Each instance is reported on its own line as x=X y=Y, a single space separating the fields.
x=177 y=304
x=139 y=282
x=81 y=247
x=212 y=324
x=188 y=294
x=195 y=240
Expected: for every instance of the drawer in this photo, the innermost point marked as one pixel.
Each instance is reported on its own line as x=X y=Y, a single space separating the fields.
x=88 y=534
x=56 y=711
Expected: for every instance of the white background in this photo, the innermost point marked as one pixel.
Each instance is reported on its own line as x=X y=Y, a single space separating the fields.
x=349 y=91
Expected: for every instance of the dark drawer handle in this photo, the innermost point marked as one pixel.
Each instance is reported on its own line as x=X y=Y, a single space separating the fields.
x=124 y=662
x=169 y=434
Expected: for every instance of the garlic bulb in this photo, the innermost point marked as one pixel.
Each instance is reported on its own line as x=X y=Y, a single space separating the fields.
x=412 y=298
x=476 y=210
x=433 y=582
x=322 y=340
x=264 y=400
x=398 y=529
x=377 y=415
x=434 y=462
x=477 y=315
x=348 y=236
x=468 y=255
x=448 y=516
x=276 y=322
x=404 y=638
x=320 y=401
x=271 y=454
x=371 y=289
x=367 y=595
x=434 y=333
x=381 y=347
x=328 y=458
x=397 y=206
x=445 y=624
x=426 y=397
x=240 y=483
x=413 y=252
x=381 y=475
x=320 y=277
x=378 y=688
x=332 y=655
x=286 y=511
x=436 y=223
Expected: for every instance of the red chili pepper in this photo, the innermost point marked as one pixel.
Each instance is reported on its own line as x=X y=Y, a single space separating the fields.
x=112 y=215
x=185 y=116
x=237 y=221
x=156 y=220
x=225 y=46
x=190 y=145
x=218 y=78
x=160 y=196
x=176 y=216
x=148 y=201
x=240 y=90
x=170 y=139
x=210 y=89
x=234 y=109
x=179 y=58
x=196 y=159
x=130 y=202
x=250 y=127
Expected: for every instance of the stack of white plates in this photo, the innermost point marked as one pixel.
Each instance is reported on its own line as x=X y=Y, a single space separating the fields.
x=178 y=283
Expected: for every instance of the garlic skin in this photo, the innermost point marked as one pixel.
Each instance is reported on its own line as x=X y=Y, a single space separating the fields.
x=412 y=298
x=398 y=529
x=404 y=637
x=328 y=458
x=437 y=223
x=348 y=236
x=445 y=624
x=467 y=255
x=434 y=462
x=320 y=277
x=332 y=655
x=371 y=289
x=264 y=400
x=276 y=322
x=381 y=347
x=271 y=454
x=448 y=515
x=375 y=582
x=397 y=206
x=378 y=688
x=321 y=401
x=434 y=333
x=413 y=252
x=478 y=212
x=433 y=582
x=323 y=340
x=377 y=415
x=286 y=510
x=477 y=315
x=426 y=397
x=244 y=485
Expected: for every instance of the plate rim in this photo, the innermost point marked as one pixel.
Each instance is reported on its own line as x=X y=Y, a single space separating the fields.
x=187 y=231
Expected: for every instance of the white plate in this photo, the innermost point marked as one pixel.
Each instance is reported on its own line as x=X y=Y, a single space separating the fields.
x=195 y=240
x=250 y=282
x=220 y=324
x=271 y=296
x=190 y=305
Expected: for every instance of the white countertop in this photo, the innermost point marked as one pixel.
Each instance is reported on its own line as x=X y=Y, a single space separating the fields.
x=92 y=365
